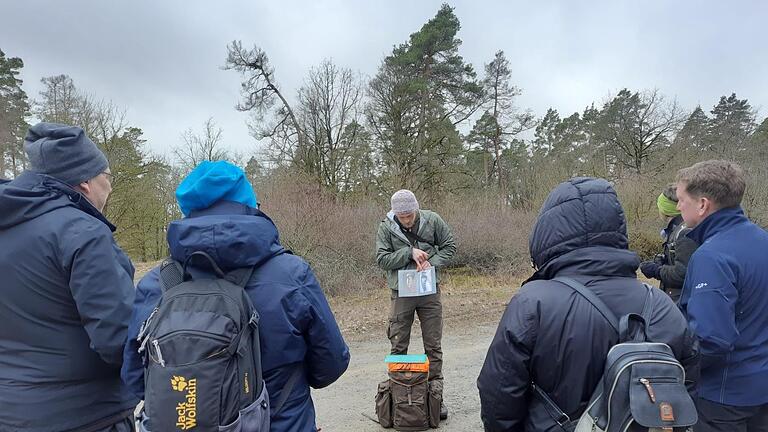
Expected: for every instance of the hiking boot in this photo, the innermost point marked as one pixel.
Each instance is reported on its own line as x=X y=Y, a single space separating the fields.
x=443 y=411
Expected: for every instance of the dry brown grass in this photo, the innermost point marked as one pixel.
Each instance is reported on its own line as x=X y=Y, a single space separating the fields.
x=467 y=298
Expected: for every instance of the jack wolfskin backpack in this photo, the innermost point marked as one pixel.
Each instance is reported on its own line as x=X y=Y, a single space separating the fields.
x=643 y=384
x=201 y=354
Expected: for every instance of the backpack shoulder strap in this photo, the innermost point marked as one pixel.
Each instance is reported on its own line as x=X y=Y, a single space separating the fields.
x=242 y=275
x=634 y=327
x=648 y=307
x=171 y=274
x=593 y=299
x=287 y=389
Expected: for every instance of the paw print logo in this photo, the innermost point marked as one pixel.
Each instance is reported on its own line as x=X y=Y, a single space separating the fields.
x=178 y=383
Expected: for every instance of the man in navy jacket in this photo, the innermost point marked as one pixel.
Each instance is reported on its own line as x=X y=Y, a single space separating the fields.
x=66 y=291
x=725 y=298
x=297 y=330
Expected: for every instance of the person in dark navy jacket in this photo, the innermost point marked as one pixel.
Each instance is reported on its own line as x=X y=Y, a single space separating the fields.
x=298 y=332
x=725 y=298
x=65 y=294
x=551 y=335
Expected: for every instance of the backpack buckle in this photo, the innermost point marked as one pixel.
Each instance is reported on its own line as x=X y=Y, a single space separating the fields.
x=563 y=420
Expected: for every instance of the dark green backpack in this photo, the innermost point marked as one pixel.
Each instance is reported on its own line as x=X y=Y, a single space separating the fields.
x=408 y=401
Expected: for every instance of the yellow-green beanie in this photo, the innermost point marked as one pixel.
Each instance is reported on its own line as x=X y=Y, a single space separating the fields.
x=667 y=207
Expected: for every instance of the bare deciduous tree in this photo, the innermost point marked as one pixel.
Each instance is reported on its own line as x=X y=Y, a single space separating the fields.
x=330 y=112
x=200 y=147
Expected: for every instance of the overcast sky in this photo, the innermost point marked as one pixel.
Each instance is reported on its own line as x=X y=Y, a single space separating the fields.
x=161 y=60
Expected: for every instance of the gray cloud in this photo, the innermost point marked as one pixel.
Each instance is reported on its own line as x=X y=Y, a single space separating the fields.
x=161 y=60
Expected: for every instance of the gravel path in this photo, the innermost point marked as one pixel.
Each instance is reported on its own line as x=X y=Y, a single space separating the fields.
x=341 y=407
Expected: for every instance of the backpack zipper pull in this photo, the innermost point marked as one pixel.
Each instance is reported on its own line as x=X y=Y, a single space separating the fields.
x=143 y=345
x=649 y=389
x=410 y=402
x=145 y=324
x=160 y=360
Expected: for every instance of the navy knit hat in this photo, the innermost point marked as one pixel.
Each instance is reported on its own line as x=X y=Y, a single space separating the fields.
x=63 y=152
x=211 y=182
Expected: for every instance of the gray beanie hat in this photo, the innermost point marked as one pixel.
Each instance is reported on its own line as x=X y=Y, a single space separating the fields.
x=404 y=201
x=63 y=152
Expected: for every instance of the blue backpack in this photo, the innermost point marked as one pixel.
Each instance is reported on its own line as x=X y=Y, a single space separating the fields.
x=643 y=384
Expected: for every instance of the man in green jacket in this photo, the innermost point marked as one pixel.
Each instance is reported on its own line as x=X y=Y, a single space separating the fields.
x=413 y=239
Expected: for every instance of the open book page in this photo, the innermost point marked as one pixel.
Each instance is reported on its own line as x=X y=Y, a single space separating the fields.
x=412 y=283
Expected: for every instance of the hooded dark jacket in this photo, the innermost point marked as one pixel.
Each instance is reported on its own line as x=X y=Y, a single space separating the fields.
x=296 y=328
x=552 y=336
x=65 y=301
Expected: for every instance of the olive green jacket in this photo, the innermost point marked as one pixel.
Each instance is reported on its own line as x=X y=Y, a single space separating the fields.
x=394 y=252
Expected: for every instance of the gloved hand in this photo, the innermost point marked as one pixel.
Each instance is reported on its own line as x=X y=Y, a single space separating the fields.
x=651 y=269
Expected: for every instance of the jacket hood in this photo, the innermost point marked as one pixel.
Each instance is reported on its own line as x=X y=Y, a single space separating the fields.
x=582 y=214
x=31 y=195
x=233 y=234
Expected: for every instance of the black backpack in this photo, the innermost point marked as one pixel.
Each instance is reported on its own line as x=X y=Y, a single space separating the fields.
x=643 y=384
x=202 y=360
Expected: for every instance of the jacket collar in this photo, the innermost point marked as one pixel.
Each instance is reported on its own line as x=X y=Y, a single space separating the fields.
x=395 y=227
x=233 y=234
x=674 y=223
x=38 y=193
x=718 y=222
x=228 y=208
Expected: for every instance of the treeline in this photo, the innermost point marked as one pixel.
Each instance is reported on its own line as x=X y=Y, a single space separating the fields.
x=335 y=149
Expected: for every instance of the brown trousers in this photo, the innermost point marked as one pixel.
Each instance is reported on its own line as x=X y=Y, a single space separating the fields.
x=430 y=310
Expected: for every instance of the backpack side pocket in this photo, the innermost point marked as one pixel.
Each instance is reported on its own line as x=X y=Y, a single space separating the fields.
x=434 y=401
x=384 y=404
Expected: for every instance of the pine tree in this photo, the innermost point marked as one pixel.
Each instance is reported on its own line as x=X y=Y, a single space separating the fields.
x=421 y=92
x=14 y=110
x=508 y=121
x=695 y=130
x=733 y=121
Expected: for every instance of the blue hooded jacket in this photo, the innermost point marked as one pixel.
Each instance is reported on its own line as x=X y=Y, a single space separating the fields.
x=551 y=335
x=65 y=302
x=725 y=298
x=297 y=327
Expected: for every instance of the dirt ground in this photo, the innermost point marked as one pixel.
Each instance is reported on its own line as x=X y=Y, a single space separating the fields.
x=472 y=307
x=346 y=405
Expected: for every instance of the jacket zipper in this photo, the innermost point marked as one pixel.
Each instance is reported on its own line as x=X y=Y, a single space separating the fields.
x=725 y=377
